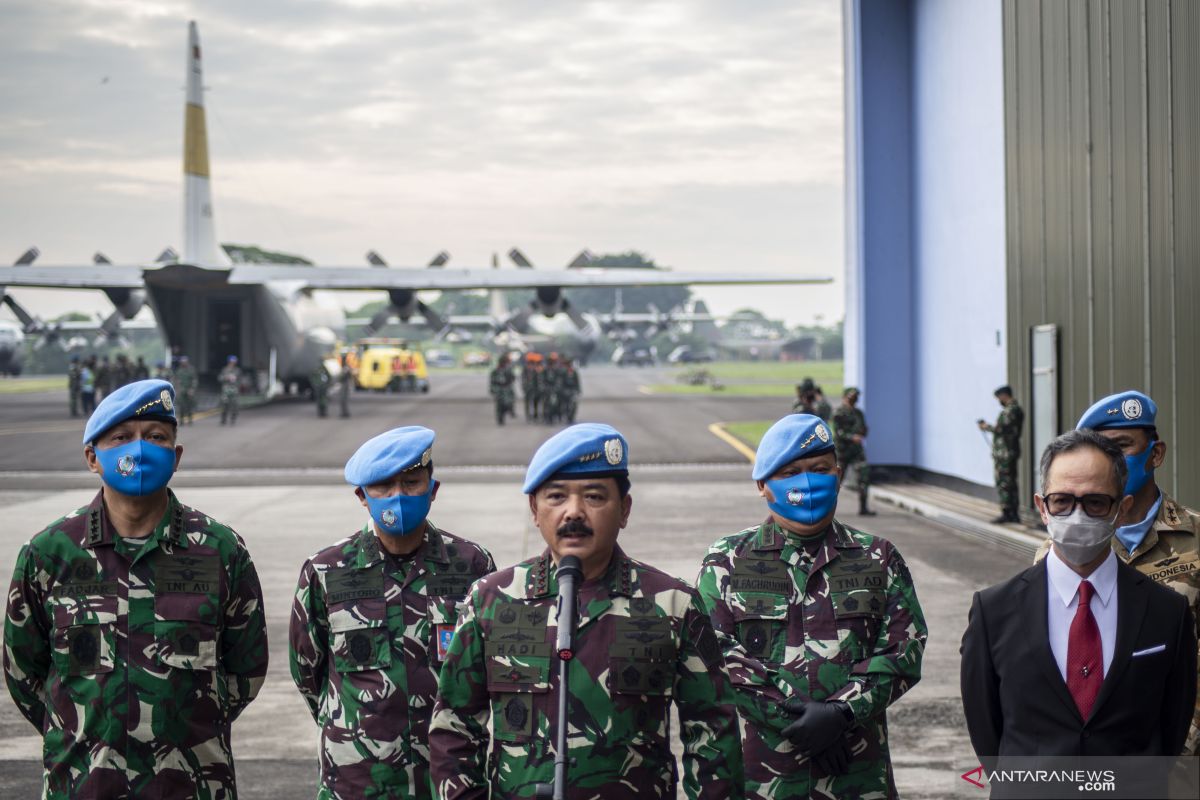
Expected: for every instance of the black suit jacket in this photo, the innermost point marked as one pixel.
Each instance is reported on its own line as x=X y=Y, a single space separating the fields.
x=1017 y=703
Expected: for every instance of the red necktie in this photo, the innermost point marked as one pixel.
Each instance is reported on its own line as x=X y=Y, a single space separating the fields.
x=1085 y=657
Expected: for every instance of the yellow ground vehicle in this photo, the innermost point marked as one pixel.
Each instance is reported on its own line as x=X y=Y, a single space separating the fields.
x=390 y=365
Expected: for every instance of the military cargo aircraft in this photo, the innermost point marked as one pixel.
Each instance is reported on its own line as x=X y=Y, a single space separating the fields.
x=276 y=318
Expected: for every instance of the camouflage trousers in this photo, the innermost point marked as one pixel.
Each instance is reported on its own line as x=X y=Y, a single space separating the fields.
x=229 y=407
x=1005 y=471
x=856 y=459
x=185 y=403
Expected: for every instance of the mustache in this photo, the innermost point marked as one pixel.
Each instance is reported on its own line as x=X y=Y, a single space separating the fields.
x=575 y=527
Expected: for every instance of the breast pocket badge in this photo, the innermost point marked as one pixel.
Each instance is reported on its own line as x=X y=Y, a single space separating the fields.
x=444 y=634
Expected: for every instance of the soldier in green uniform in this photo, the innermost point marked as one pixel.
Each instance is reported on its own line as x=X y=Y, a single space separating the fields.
x=185 y=390
x=1158 y=536
x=849 y=430
x=230 y=380
x=810 y=400
x=826 y=615
x=135 y=632
x=103 y=378
x=501 y=383
x=570 y=391
x=1006 y=449
x=73 y=385
x=528 y=386
x=320 y=380
x=642 y=642
x=346 y=386
x=371 y=622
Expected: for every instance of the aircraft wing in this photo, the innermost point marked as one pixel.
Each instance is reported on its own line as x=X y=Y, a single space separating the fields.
x=108 y=276
x=447 y=279
x=89 y=276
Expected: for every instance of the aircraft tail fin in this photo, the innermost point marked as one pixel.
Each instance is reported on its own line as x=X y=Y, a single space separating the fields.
x=199 y=231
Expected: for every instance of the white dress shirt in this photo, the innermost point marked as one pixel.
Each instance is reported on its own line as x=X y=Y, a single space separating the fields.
x=1062 y=597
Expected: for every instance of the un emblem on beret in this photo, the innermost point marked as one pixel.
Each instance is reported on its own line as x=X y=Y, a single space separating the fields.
x=165 y=396
x=426 y=456
x=1132 y=408
x=613 y=451
x=126 y=465
x=823 y=433
x=795 y=496
x=388 y=517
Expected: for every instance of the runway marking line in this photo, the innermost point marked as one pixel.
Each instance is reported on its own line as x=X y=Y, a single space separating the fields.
x=717 y=429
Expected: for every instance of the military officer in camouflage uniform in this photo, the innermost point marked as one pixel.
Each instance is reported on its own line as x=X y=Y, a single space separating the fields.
x=135 y=632
x=185 y=390
x=827 y=615
x=230 y=380
x=809 y=400
x=570 y=391
x=371 y=622
x=1159 y=536
x=320 y=379
x=850 y=428
x=643 y=641
x=1006 y=449
x=501 y=386
x=73 y=385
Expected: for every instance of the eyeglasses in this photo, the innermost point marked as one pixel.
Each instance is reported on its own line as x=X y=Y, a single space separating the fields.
x=1062 y=504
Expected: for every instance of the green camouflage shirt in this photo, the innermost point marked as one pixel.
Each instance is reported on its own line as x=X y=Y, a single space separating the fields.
x=1006 y=433
x=368 y=635
x=642 y=642
x=849 y=421
x=1170 y=555
x=132 y=659
x=837 y=621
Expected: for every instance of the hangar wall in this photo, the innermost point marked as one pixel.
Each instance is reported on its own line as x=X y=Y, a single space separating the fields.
x=925 y=275
x=1102 y=117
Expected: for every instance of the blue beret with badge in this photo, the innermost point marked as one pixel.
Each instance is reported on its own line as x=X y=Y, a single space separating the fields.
x=149 y=399
x=1129 y=409
x=795 y=436
x=589 y=449
x=395 y=451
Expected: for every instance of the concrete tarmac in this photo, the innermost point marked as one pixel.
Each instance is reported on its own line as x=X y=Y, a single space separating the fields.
x=276 y=478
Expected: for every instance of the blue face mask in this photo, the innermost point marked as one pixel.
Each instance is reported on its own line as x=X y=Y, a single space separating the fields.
x=400 y=514
x=1138 y=474
x=138 y=468
x=807 y=497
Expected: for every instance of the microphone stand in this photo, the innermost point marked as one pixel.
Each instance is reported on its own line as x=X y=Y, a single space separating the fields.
x=570 y=571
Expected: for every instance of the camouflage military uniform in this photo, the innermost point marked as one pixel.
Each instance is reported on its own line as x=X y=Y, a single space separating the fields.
x=570 y=393
x=320 y=380
x=1006 y=449
x=849 y=421
x=501 y=387
x=1170 y=555
x=529 y=390
x=368 y=634
x=818 y=408
x=185 y=392
x=132 y=659
x=73 y=387
x=230 y=379
x=838 y=620
x=642 y=641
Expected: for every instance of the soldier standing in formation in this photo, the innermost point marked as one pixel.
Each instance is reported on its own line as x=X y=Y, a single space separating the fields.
x=87 y=386
x=122 y=372
x=571 y=390
x=320 y=379
x=827 y=614
x=73 y=385
x=135 y=632
x=103 y=378
x=372 y=620
x=140 y=370
x=811 y=400
x=1006 y=449
x=849 y=429
x=642 y=641
x=1158 y=536
x=529 y=384
x=552 y=390
x=346 y=385
x=501 y=385
x=230 y=380
x=185 y=390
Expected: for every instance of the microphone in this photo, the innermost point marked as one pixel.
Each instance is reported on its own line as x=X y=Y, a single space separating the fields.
x=570 y=575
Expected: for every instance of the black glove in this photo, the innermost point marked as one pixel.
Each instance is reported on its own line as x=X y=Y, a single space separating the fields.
x=835 y=759
x=818 y=725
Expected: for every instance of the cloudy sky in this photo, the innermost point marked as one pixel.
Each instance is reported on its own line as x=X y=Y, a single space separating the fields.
x=705 y=134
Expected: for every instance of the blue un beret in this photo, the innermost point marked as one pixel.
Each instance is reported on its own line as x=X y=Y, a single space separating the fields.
x=1122 y=410
x=388 y=453
x=795 y=436
x=587 y=449
x=150 y=399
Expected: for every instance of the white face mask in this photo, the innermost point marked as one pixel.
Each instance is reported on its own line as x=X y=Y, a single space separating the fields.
x=1080 y=539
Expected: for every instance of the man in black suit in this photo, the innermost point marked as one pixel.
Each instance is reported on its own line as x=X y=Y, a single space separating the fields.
x=1079 y=655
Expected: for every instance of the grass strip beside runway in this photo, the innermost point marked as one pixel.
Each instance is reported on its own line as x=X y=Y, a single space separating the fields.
x=40 y=383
